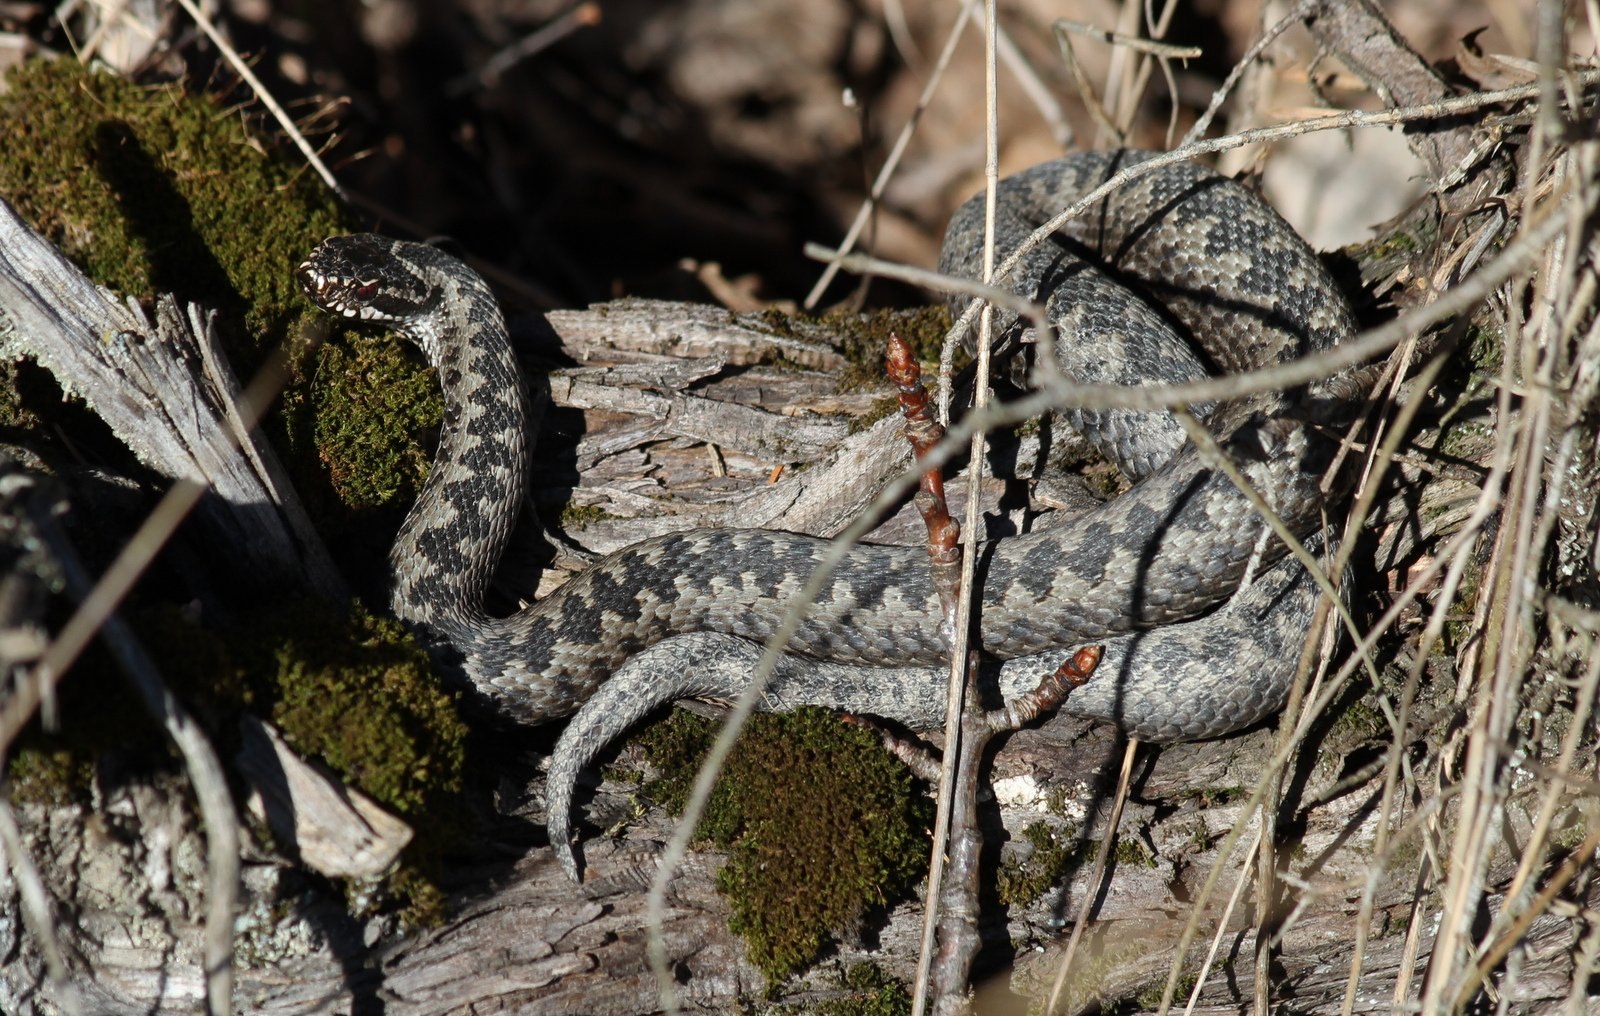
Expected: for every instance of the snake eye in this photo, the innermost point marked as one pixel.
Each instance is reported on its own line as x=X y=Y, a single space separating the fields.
x=367 y=290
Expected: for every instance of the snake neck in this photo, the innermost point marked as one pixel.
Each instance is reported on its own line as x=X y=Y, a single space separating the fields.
x=453 y=536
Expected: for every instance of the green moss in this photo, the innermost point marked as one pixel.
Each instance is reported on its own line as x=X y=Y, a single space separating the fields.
x=100 y=717
x=53 y=775
x=358 y=692
x=1459 y=626
x=821 y=825
x=1358 y=722
x=873 y=993
x=1020 y=882
x=153 y=189
x=14 y=408
x=576 y=516
x=1485 y=348
x=1465 y=439
x=1150 y=998
x=675 y=747
x=363 y=396
x=1131 y=851
x=865 y=337
x=353 y=691
x=1396 y=243
x=199 y=664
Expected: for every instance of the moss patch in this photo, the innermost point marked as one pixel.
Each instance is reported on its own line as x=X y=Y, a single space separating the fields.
x=153 y=189
x=865 y=336
x=821 y=825
x=353 y=691
x=41 y=773
x=363 y=396
x=1020 y=882
x=871 y=993
x=576 y=516
x=358 y=692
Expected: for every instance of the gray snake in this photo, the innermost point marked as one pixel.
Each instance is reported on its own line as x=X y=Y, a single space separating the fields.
x=1154 y=574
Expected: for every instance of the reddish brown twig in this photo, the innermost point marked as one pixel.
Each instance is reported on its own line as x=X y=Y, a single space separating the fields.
x=1048 y=694
x=958 y=895
x=914 y=754
x=922 y=432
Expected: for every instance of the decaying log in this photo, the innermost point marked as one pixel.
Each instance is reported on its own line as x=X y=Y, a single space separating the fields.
x=671 y=328
x=166 y=390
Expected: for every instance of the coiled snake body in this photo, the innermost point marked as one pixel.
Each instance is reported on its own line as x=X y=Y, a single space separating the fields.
x=1154 y=574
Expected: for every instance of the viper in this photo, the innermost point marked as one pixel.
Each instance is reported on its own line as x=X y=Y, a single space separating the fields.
x=1177 y=275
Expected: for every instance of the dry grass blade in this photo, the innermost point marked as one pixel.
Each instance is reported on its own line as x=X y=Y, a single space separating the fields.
x=1163 y=52
x=1267 y=38
x=580 y=16
x=1239 y=887
x=278 y=113
x=1107 y=843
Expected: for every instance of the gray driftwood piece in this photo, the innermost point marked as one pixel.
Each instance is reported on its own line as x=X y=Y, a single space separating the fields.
x=165 y=390
x=821 y=501
x=690 y=329
x=748 y=429
x=845 y=470
x=534 y=943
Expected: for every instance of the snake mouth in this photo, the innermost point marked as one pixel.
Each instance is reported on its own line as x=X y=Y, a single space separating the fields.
x=315 y=285
x=340 y=295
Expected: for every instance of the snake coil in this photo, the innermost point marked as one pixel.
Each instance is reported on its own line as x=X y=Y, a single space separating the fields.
x=1179 y=274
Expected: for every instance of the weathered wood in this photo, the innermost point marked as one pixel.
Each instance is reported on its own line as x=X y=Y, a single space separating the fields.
x=688 y=330
x=522 y=939
x=755 y=432
x=166 y=391
x=332 y=829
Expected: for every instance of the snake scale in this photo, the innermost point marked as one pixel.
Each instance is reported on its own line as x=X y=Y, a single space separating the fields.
x=1176 y=275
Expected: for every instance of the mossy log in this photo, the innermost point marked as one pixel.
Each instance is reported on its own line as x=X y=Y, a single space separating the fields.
x=167 y=391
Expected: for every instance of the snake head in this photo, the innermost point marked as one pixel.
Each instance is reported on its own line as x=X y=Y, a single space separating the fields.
x=369 y=277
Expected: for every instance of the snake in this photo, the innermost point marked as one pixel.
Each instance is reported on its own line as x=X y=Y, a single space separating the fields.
x=1178 y=274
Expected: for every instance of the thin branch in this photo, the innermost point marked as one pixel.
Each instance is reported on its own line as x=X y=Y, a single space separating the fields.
x=968 y=11
x=583 y=15
x=1251 y=55
x=960 y=666
x=1134 y=42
